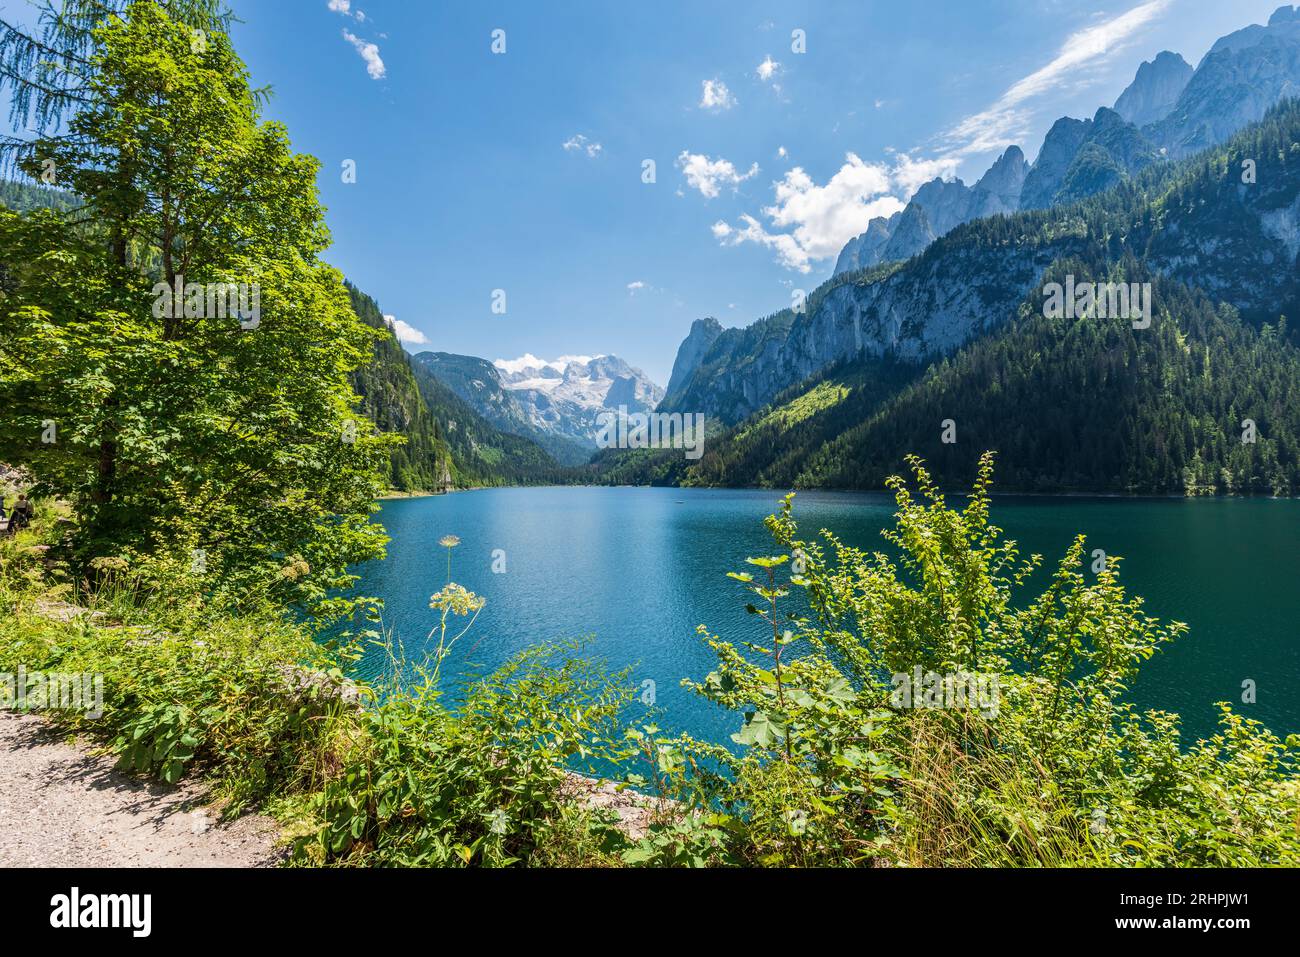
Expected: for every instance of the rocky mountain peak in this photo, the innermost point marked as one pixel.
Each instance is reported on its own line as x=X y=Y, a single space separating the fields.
x=1155 y=90
x=1060 y=146
x=998 y=190
x=704 y=333
x=1239 y=80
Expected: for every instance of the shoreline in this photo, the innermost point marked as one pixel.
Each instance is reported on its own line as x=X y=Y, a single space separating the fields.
x=1115 y=496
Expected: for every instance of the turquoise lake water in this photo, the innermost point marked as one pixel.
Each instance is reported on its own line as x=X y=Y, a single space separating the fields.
x=637 y=569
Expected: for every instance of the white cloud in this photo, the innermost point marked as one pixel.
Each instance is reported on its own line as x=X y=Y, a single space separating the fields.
x=788 y=251
x=715 y=96
x=369 y=52
x=634 y=287
x=710 y=176
x=580 y=144
x=808 y=221
x=1076 y=64
x=782 y=152
x=812 y=221
x=406 y=333
x=344 y=7
x=768 y=69
x=910 y=174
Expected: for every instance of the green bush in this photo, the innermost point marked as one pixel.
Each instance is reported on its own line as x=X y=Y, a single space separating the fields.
x=835 y=766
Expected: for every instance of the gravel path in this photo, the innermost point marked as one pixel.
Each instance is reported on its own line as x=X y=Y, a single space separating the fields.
x=61 y=806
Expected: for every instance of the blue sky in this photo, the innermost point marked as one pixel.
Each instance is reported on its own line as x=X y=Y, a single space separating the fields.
x=464 y=184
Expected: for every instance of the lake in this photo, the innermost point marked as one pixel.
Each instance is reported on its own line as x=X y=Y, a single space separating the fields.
x=635 y=570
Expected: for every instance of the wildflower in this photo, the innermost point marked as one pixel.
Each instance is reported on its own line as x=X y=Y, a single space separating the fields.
x=297 y=569
x=107 y=565
x=456 y=599
x=449 y=542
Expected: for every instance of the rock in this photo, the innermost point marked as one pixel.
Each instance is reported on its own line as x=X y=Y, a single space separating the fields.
x=636 y=811
x=1240 y=79
x=1155 y=90
x=864 y=251
x=937 y=208
x=1059 y=149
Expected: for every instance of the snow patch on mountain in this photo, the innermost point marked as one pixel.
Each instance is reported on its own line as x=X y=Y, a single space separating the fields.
x=563 y=396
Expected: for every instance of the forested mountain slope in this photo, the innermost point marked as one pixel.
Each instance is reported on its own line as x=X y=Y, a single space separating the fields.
x=391 y=399
x=1071 y=404
x=1227 y=221
x=448 y=444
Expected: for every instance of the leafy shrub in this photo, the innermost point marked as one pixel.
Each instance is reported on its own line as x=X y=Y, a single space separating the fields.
x=833 y=767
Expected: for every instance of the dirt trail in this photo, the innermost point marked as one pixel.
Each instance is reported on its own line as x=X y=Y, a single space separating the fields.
x=62 y=806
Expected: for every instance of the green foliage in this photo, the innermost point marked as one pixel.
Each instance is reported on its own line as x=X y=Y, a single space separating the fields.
x=43 y=69
x=391 y=399
x=184 y=432
x=483 y=786
x=25 y=197
x=183 y=690
x=1052 y=766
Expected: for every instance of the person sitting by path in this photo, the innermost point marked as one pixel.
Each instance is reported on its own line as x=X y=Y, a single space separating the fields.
x=23 y=512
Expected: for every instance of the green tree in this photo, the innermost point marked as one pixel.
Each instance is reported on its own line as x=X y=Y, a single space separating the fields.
x=219 y=422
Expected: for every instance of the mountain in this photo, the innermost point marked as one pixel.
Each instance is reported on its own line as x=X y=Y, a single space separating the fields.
x=25 y=197
x=563 y=398
x=483 y=454
x=1059 y=149
x=391 y=399
x=447 y=444
x=1168 y=112
x=1081 y=158
x=704 y=333
x=998 y=190
x=1155 y=90
x=478 y=383
x=935 y=209
x=866 y=249
x=1195 y=222
x=1238 y=81
x=1069 y=404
